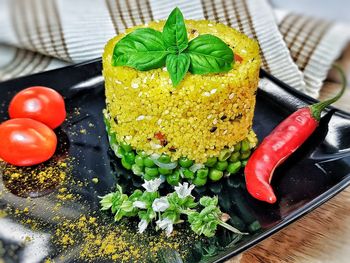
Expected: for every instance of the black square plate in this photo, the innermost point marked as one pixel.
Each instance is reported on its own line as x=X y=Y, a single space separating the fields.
x=316 y=172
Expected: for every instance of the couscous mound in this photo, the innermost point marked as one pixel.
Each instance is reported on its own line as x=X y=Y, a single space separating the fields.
x=199 y=118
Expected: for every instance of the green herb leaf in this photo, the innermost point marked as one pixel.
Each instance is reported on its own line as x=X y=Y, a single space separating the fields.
x=147 y=215
x=209 y=201
x=174 y=31
x=202 y=225
x=209 y=54
x=177 y=66
x=106 y=201
x=135 y=195
x=142 y=49
x=127 y=206
x=172 y=214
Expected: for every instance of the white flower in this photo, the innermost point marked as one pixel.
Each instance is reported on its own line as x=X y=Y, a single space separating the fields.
x=142 y=226
x=183 y=190
x=139 y=204
x=152 y=185
x=166 y=224
x=160 y=204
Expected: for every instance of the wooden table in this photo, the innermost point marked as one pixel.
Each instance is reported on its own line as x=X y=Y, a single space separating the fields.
x=324 y=234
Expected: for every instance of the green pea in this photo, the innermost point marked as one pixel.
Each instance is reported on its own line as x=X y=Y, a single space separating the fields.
x=148 y=177
x=215 y=175
x=164 y=158
x=174 y=178
x=185 y=162
x=188 y=174
x=151 y=171
x=137 y=169
x=126 y=164
x=224 y=155
x=141 y=153
x=107 y=123
x=244 y=163
x=237 y=147
x=199 y=181
x=203 y=173
x=139 y=160
x=130 y=157
x=164 y=171
x=245 y=146
x=245 y=155
x=221 y=166
x=120 y=152
x=148 y=162
x=127 y=147
x=233 y=168
x=235 y=157
x=113 y=138
x=211 y=161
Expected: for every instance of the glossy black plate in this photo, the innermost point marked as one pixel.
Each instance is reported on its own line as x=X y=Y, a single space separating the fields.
x=316 y=172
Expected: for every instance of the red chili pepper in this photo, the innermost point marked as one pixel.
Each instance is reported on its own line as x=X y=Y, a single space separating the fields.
x=238 y=58
x=161 y=137
x=281 y=143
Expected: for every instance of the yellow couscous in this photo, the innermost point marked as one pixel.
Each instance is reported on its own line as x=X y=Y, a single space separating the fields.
x=200 y=117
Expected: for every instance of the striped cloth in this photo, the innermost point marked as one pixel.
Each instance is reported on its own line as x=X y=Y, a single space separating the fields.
x=38 y=35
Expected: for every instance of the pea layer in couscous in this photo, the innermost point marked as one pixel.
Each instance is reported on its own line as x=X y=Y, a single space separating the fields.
x=199 y=129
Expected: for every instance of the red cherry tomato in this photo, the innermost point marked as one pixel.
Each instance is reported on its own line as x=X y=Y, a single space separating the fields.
x=26 y=142
x=39 y=103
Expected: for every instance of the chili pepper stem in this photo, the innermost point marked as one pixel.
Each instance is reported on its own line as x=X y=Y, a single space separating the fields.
x=316 y=109
x=231 y=228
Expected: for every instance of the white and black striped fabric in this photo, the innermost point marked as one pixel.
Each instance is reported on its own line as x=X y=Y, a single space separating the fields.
x=38 y=35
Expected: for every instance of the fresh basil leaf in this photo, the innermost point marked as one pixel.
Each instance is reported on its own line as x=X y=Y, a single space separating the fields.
x=209 y=54
x=174 y=31
x=142 y=49
x=177 y=66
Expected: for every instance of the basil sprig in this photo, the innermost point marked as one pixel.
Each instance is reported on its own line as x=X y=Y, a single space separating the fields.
x=177 y=66
x=145 y=49
x=174 y=31
x=209 y=54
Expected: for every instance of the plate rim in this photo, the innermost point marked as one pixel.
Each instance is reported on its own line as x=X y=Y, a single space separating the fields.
x=294 y=216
